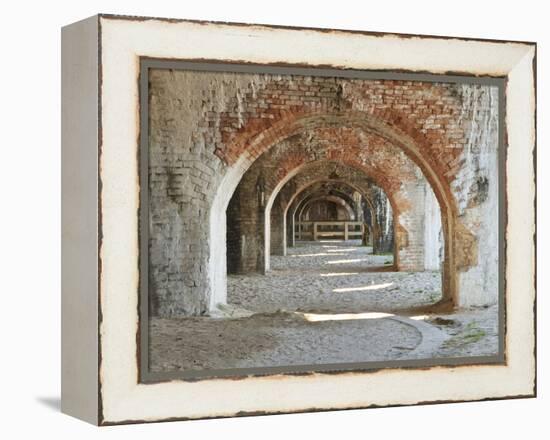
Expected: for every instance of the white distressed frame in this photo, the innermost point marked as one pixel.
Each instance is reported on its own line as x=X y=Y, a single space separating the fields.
x=122 y=42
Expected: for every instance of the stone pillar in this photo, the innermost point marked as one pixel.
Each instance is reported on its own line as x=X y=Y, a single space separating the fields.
x=410 y=243
x=245 y=232
x=433 y=234
x=290 y=229
x=382 y=223
x=277 y=230
x=477 y=191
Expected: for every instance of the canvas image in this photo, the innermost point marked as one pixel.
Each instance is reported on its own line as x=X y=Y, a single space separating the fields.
x=311 y=220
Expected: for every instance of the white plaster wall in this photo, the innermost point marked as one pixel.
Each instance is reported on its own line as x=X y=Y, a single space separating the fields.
x=479 y=284
x=433 y=234
x=411 y=257
x=217 y=268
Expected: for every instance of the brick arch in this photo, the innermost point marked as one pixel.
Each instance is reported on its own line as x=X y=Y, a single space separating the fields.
x=399 y=205
x=407 y=138
x=336 y=199
x=313 y=194
x=324 y=188
x=299 y=191
x=294 y=203
x=343 y=198
x=398 y=131
x=366 y=173
x=274 y=166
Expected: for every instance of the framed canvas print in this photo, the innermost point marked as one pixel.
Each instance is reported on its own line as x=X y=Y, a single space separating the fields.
x=261 y=220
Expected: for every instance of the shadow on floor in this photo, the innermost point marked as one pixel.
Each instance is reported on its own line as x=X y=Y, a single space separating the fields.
x=52 y=403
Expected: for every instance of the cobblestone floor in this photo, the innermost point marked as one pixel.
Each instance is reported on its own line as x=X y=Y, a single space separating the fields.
x=326 y=302
x=279 y=339
x=472 y=332
x=333 y=277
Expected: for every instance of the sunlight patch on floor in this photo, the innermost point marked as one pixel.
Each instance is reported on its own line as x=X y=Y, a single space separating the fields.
x=419 y=317
x=319 y=317
x=363 y=288
x=338 y=274
x=321 y=254
x=355 y=260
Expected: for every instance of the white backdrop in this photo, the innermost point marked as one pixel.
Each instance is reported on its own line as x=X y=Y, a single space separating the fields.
x=30 y=217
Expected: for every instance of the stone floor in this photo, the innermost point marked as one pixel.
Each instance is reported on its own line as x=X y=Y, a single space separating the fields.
x=333 y=277
x=279 y=339
x=325 y=302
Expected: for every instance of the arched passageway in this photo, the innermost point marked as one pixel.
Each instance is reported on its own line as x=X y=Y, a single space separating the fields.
x=377 y=125
x=380 y=164
x=289 y=268
x=377 y=218
x=396 y=179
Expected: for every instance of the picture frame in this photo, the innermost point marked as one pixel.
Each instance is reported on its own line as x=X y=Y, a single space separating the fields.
x=103 y=263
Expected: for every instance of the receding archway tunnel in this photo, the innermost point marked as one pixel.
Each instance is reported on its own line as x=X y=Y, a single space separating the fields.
x=326 y=236
x=399 y=177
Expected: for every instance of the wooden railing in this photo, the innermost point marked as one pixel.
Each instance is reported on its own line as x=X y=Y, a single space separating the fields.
x=333 y=229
